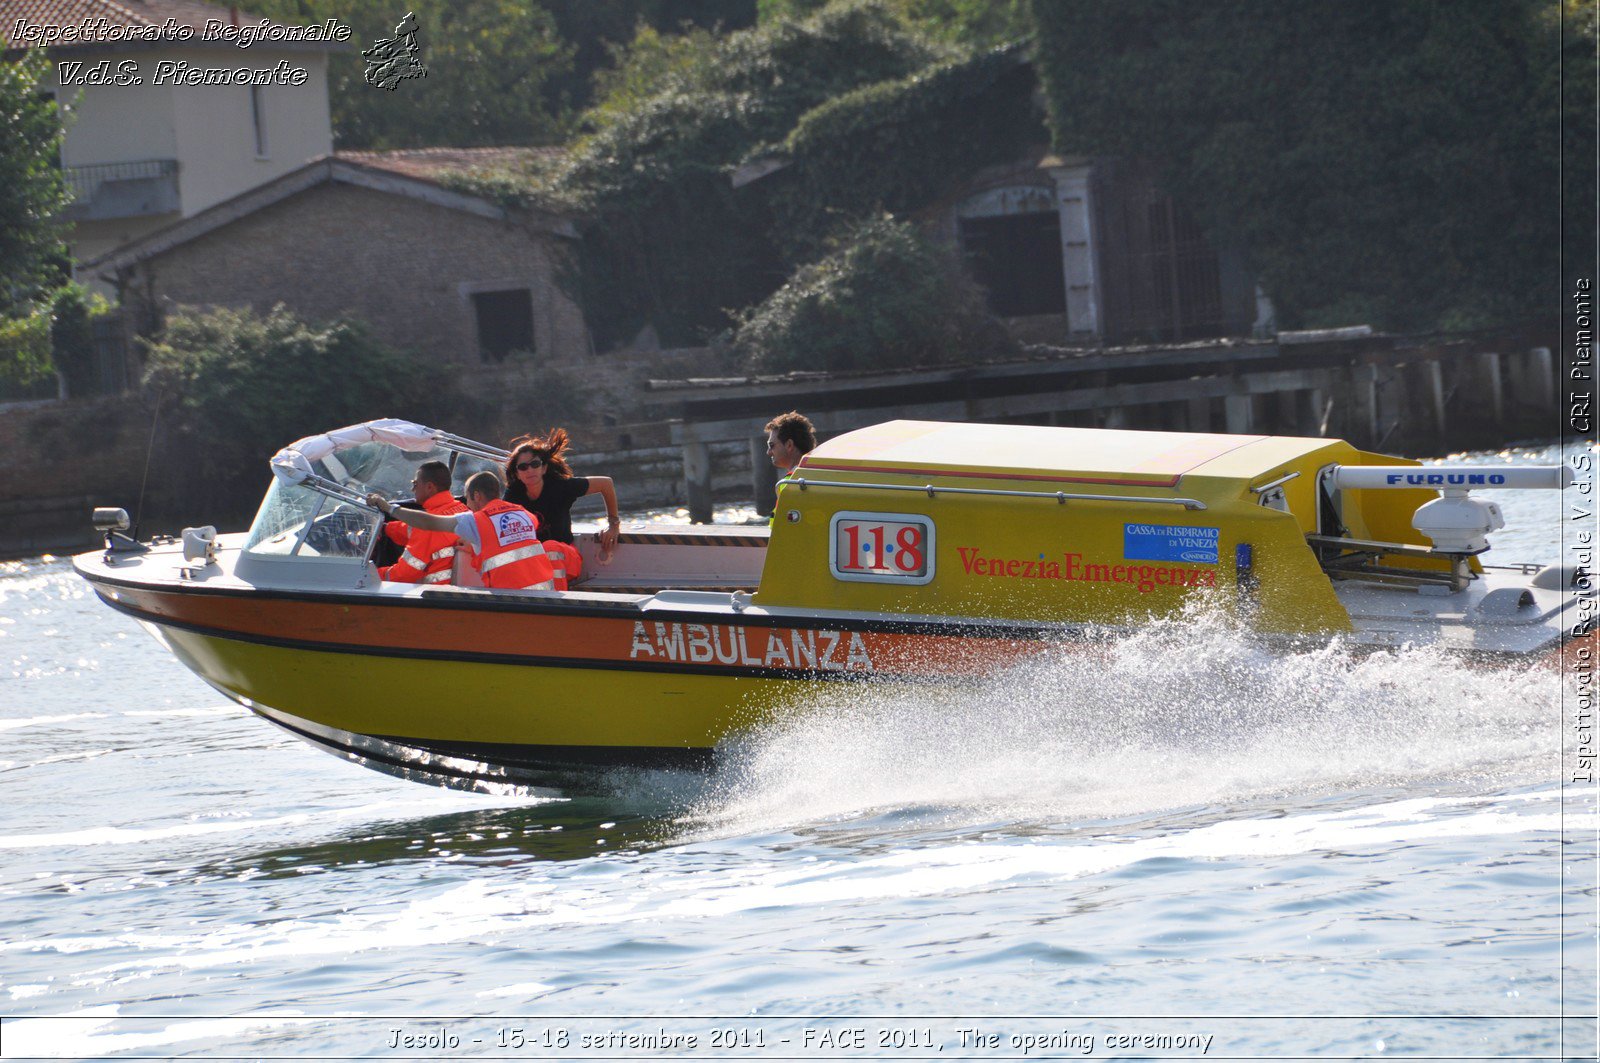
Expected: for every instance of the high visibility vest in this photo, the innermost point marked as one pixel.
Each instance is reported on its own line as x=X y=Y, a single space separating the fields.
x=510 y=555
x=428 y=555
x=565 y=562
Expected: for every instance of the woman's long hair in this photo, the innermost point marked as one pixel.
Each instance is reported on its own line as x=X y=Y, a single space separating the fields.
x=552 y=446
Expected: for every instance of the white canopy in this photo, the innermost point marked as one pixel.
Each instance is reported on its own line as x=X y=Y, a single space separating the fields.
x=292 y=464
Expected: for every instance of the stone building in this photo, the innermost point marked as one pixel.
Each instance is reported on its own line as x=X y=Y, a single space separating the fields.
x=377 y=236
x=143 y=144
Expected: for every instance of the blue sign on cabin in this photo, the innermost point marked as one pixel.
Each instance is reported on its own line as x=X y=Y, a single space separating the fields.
x=1169 y=542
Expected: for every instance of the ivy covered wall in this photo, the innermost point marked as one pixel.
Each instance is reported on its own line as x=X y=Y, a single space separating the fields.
x=1393 y=163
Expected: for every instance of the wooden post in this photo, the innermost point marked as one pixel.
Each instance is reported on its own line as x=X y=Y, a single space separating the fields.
x=1317 y=406
x=697 y=481
x=1199 y=415
x=1433 y=390
x=1485 y=381
x=1538 y=379
x=1238 y=412
x=763 y=477
x=1363 y=385
x=1115 y=417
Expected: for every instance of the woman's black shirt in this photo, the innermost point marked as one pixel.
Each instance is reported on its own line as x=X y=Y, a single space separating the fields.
x=553 y=507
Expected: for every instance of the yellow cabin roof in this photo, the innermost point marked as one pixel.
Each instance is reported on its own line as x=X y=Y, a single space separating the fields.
x=1070 y=455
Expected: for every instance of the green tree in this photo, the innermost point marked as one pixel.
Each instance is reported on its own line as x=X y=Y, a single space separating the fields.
x=1392 y=162
x=668 y=240
x=1576 y=75
x=599 y=30
x=500 y=72
x=977 y=23
x=885 y=296
x=488 y=64
x=26 y=371
x=32 y=192
x=72 y=341
x=233 y=387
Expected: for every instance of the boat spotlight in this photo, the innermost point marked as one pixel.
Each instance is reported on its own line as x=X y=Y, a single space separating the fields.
x=113 y=523
x=200 y=544
x=110 y=519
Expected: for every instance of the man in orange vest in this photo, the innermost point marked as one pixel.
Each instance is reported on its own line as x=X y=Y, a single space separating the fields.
x=428 y=555
x=503 y=536
x=565 y=562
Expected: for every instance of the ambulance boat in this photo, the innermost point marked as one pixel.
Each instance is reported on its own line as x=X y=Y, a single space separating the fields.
x=907 y=552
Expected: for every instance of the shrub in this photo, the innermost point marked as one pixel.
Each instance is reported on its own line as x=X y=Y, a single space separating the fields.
x=233 y=387
x=72 y=341
x=26 y=371
x=668 y=241
x=886 y=297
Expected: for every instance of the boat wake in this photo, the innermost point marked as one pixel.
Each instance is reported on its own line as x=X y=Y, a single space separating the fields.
x=1186 y=712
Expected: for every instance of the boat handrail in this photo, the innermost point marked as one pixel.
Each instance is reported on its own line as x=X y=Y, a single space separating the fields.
x=1279 y=482
x=337 y=491
x=1061 y=497
x=470 y=447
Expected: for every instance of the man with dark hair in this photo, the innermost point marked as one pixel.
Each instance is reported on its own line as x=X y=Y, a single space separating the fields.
x=429 y=555
x=503 y=536
x=790 y=437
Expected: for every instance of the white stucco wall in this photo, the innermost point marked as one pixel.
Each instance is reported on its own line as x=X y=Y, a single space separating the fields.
x=207 y=128
x=115 y=123
x=216 y=138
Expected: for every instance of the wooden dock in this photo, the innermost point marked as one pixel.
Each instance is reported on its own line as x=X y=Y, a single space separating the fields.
x=1413 y=395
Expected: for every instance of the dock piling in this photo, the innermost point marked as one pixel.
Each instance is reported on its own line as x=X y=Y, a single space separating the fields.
x=697 y=481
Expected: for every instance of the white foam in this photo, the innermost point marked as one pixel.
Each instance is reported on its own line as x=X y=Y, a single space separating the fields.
x=83 y=1035
x=1184 y=713
x=209 y=710
x=48 y=721
x=522 y=989
x=426 y=802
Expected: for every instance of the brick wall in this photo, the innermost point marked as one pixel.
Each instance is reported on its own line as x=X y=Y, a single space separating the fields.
x=65 y=458
x=404 y=266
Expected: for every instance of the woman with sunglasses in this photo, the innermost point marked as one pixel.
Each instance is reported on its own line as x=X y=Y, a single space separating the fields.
x=540 y=481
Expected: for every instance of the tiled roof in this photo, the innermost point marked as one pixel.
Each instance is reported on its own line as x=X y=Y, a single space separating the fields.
x=430 y=164
x=75 y=13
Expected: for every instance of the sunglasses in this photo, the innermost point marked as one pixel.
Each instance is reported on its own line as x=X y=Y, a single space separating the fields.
x=529 y=463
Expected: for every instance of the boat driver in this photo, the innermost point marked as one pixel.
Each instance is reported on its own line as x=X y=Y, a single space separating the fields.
x=503 y=537
x=429 y=556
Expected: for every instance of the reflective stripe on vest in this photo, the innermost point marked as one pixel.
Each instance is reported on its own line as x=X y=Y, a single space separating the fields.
x=521 y=553
x=511 y=556
x=558 y=564
x=411 y=560
x=437 y=577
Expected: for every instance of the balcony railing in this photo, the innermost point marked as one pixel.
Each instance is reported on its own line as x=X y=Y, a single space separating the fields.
x=122 y=189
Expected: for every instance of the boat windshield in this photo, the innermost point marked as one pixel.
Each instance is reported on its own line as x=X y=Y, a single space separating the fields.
x=300 y=521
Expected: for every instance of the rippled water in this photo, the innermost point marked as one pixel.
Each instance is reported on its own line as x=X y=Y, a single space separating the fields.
x=1179 y=847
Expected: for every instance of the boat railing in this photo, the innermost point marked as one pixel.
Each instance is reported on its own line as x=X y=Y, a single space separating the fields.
x=471 y=447
x=1060 y=497
x=337 y=491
